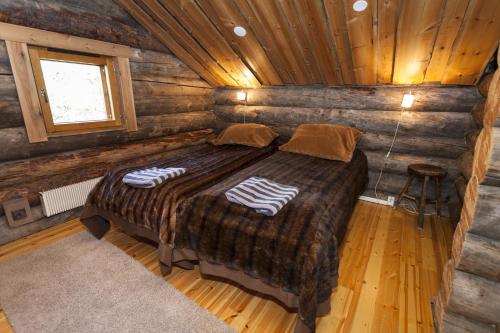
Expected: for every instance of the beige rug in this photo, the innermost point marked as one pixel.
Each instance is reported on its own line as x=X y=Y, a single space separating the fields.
x=81 y=284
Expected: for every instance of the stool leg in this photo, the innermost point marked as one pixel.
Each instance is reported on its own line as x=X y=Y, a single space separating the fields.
x=405 y=189
x=438 y=197
x=422 y=204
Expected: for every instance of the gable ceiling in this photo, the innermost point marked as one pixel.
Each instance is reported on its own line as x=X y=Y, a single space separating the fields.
x=326 y=41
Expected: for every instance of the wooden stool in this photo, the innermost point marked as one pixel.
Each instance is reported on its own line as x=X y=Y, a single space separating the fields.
x=423 y=171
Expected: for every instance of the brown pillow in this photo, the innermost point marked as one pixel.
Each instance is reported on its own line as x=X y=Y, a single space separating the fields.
x=253 y=135
x=332 y=142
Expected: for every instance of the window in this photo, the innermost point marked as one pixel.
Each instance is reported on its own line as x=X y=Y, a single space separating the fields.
x=78 y=93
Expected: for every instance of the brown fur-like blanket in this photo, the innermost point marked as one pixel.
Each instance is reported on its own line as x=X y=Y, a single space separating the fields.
x=151 y=211
x=295 y=249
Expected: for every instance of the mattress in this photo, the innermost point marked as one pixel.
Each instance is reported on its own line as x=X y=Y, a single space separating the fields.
x=295 y=250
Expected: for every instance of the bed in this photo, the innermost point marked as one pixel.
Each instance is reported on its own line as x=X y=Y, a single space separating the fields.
x=151 y=212
x=292 y=256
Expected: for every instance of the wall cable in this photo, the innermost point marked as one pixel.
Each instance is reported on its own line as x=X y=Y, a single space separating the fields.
x=409 y=208
x=389 y=152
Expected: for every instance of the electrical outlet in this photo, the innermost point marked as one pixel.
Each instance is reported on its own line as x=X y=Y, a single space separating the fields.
x=391 y=200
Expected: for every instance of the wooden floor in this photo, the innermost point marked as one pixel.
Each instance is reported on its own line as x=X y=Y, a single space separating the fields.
x=389 y=272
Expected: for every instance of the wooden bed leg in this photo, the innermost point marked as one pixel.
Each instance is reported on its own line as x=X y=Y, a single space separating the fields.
x=185 y=264
x=165 y=269
x=96 y=225
x=300 y=327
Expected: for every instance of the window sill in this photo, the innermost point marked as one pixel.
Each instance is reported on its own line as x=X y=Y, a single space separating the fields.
x=86 y=131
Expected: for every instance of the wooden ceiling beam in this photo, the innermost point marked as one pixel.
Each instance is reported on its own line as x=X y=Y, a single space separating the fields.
x=335 y=13
x=417 y=31
x=278 y=23
x=451 y=22
x=161 y=15
x=164 y=36
x=476 y=43
x=298 y=27
x=361 y=36
x=266 y=40
x=226 y=16
x=285 y=37
x=385 y=41
x=315 y=20
x=189 y=14
x=326 y=41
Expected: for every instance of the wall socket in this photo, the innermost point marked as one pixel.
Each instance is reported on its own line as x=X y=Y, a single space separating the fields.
x=391 y=200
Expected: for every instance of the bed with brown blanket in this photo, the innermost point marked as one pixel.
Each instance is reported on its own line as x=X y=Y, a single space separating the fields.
x=291 y=256
x=151 y=212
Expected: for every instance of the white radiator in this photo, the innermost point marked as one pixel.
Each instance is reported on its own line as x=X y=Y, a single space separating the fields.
x=67 y=197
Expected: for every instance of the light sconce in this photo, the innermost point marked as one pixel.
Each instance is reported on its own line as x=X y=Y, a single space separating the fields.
x=407 y=101
x=241 y=96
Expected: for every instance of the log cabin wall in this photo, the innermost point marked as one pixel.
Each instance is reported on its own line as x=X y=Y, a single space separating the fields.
x=469 y=296
x=432 y=131
x=170 y=100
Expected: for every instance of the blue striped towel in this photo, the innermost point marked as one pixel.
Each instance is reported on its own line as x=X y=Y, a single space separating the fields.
x=151 y=177
x=265 y=196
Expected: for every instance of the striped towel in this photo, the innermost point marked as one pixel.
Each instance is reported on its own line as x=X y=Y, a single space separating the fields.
x=151 y=177
x=265 y=196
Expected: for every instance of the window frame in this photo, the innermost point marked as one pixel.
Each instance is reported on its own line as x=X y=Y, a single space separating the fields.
x=110 y=86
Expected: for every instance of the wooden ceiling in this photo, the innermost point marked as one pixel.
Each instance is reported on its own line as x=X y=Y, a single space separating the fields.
x=326 y=41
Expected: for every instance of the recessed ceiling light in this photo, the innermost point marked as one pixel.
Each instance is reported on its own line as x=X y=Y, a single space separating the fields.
x=240 y=31
x=360 y=5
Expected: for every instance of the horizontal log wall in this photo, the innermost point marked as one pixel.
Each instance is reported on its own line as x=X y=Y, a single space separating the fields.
x=97 y=19
x=432 y=131
x=170 y=99
x=468 y=298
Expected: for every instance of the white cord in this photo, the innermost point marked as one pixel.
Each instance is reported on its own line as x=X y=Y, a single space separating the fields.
x=245 y=112
x=388 y=153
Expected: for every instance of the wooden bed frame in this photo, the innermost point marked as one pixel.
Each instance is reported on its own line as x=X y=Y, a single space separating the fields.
x=98 y=222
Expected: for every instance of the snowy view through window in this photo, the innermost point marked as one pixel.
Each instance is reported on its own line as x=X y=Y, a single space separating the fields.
x=75 y=92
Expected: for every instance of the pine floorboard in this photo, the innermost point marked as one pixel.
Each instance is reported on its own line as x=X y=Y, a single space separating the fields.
x=389 y=273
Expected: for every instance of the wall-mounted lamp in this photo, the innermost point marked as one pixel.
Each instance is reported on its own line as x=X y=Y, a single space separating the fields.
x=407 y=101
x=241 y=96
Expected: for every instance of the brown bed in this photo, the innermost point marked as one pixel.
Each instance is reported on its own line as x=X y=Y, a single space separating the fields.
x=291 y=256
x=151 y=213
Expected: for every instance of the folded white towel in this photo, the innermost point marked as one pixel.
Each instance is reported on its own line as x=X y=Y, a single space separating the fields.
x=151 y=177
x=265 y=196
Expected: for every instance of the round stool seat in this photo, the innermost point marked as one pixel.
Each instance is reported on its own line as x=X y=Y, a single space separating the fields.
x=427 y=170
